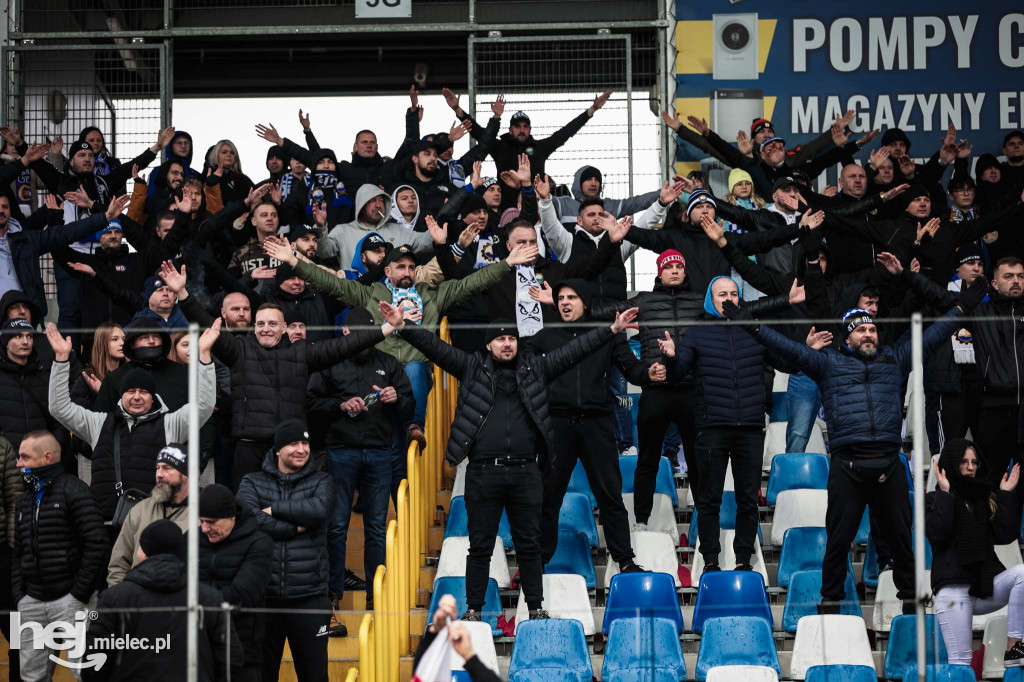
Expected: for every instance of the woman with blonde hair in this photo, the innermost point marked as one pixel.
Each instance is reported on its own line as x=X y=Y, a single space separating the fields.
x=225 y=181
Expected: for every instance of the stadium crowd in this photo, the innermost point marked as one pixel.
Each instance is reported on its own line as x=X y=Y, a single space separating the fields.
x=320 y=283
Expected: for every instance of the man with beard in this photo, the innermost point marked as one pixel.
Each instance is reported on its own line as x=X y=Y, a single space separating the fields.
x=168 y=500
x=166 y=181
x=421 y=172
x=862 y=387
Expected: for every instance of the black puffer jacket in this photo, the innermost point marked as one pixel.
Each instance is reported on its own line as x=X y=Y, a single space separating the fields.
x=534 y=373
x=159 y=582
x=60 y=546
x=311 y=306
x=139 y=439
x=268 y=385
x=171 y=379
x=940 y=530
x=23 y=396
x=305 y=498
x=999 y=347
x=239 y=566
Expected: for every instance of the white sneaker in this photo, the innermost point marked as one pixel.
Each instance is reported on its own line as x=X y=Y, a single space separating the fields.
x=639 y=527
x=629 y=452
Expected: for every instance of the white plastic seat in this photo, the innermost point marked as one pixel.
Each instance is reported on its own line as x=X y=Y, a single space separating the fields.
x=795 y=508
x=742 y=673
x=727 y=557
x=459 y=487
x=829 y=640
x=565 y=596
x=662 y=518
x=887 y=605
x=994 y=640
x=455 y=550
x=775 y=442
x=653 y=551
x=730 y=484
x=781 y=382
x=482 y=639
x=1009 y=555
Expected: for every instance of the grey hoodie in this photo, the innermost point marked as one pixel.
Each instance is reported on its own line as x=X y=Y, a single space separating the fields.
x=343 y=241
x=568 y=208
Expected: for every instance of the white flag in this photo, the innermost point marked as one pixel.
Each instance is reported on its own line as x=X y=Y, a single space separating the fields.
x=436 y=665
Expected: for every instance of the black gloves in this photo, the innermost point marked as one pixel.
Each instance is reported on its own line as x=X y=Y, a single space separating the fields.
x=734 y=313
x=971 y=296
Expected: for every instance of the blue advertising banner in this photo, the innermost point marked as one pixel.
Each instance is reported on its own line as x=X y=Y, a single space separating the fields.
x=914 y=65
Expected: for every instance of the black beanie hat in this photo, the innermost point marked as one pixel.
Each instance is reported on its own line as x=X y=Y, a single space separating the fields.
x=501 y=327
x=290 y=431
x=916 y=189
x=278 y=152
x=895 y=135
x=174 y=455
x=162 y=537
x=217 y=502
x=78 y=146
x=12 y=328
x=138 y=378
x=588 y=173
x=284 y=272
x=359 y=317
x=985 y=161
x=475 y=202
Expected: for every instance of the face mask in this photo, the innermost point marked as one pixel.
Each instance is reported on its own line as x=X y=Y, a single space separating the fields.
x=326 y=179
x=149 y=353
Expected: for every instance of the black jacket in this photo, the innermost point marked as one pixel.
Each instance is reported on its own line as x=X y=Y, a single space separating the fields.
x=356 y=377
x=60 y=546
x=476 y=391
x=239 y=567
x=160 y=582
x=506 y=149
x=306 y=498
x=24 y=395
x=999 y=347
x=941 y=533
x=268 y=385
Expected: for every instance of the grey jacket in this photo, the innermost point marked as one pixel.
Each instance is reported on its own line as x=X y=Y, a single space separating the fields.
x=569 y=207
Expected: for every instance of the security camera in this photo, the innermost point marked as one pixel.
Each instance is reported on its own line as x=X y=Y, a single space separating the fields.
x=419 y=75
x=735 y=47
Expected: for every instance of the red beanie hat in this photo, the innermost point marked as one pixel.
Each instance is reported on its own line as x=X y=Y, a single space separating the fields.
x=669 y=256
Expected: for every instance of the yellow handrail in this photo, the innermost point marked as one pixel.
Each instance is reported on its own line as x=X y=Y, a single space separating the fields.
x=366 y=648
x=353 y=675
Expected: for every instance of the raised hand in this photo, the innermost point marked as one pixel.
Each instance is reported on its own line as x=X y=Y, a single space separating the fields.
x=135 y=174
x=280 y=249
x=523 y=173
x=320 y=214
x=657 y=372
x=450 y=98
x=414 y=99
x=689 y=184
x=846 y=119
x=543 y=294
x=940 y=478
x=304 y=121
x=830 y=191
x=477 y=179
x=599 y=102
x=83 y=268
x=391 y=315
x=698 y=124
x=797 y=294
x=895 y=192
x=950 y=138
x=510 y=179
x=50 y=201
x=617 y=230
x=498 y=106
x=964 y=149
x=170 y=276
x=624 y=319
x=459 y=130
x=263 y=272
x=812 y=220
x=713 y=230
x=670 y=120
x=1009 y=482
x=839 y=134
x=790 y=202
x=79 y=198
x=667 y=346
x=907 y=165
x=670 y=192
x=744 y=143
x=542 y=186
x=438 y=233
x=890 y=263
x=275 y=192
x=207 y=339
x=58 y=145
x=867 y=137
x=878 y=156
x=34 y=153
x=947 y=154
x=165 y=137
x=817 y=340
x=269 y=133
x=92 y=381
x=10 y=135
x=467 y=236
x=61 y=346
x=184 y=204
x=116 y=206
x=256 y=194
x=523 y=255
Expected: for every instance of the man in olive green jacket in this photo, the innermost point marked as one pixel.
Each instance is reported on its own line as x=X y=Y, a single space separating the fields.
x=423 y=304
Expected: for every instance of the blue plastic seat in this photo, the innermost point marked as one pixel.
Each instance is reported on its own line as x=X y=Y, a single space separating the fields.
x=665 y=483
x=573 y=556
x=458 y=522
x=645 y=595
x=736 y=640
x=804 y=595
x=901 y=652
x=461 y=676
x=550 y=649
x=643 y=675
x=576 y=514
x=1014 y=674
x=870 y=572
x=643 y=644
x=579 y=483
x=841 y=673
x=726 y=518
x=731 y=593
x=796 y=471
x=803 y=549
x=456 y=586
x=943 y=673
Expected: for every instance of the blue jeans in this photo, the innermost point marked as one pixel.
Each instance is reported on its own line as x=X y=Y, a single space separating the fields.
x=69 y=294
x=371 y=470
x=804 y=399
x=622 y=416
x=421 y=376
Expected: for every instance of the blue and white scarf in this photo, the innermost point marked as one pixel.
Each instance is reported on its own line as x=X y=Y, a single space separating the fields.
x=286 y=184
x=405 y=299
x=529 y=318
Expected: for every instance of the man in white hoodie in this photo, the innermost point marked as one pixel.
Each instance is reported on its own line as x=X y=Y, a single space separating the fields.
x=373 y=214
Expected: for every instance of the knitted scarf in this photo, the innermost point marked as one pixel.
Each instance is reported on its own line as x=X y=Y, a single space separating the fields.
x=529 y=319
x=286 y=184
x=101 y=163
x=963 y=346
x=972 y=527
x=405 y=299
x=37 y=479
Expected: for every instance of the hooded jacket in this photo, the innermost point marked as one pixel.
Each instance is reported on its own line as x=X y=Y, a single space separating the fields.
x=305 y=498
x=475 y=373
x=343 y=241
x=137 y=438
x=239 y=568
x=171 y=379
x=185 y=161
x=999 y=348
x=417 y=223
x=160 y=582
x=568 y=208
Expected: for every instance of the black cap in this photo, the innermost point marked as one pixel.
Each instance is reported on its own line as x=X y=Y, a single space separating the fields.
x=138 y=378
x=519 y=117
x=301 y=230
x=78 y=146
x=1012 y=134
x=403 y=251
x=443 y=142
x=371 y=242
x=290 y=431
x=784 y=181
x=162 y=537
x=217 y=502
x=501 y=327
x=424 y=145
x=474 y=203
